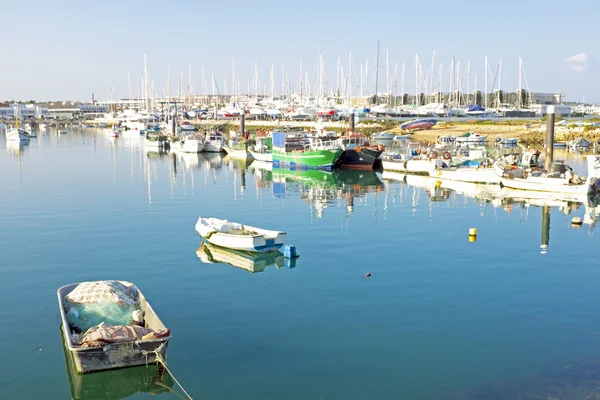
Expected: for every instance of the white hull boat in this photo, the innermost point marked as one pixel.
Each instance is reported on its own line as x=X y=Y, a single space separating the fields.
x=214 y=143
x=471 y=174
x=192 y=145
x=262 y=156
x=17 y=135
x=541 y=181
x=236 y=236
x=471 y=137
x=188 y=127
x=409 y=166
x=237 y=153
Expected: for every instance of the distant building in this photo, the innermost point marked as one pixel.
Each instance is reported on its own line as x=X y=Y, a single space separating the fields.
x=31 y=111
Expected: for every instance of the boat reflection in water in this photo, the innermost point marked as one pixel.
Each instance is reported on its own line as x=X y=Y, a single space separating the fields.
x=322 y=188
x=250 y=261
x=400 y=186
x=116 y=384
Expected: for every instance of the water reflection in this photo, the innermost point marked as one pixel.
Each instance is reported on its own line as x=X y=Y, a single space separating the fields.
x=321 y=189
x=251 y=262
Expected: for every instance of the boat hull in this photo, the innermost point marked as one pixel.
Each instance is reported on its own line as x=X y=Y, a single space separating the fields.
x=213 y=147
x=114 y=355
x=467 y=174
x=192 y=146
x=237 y=153
x=266 y=157
x=263 y=241
x=364 y=158
x=318 y=159
x=16 y=135
x=418 y=167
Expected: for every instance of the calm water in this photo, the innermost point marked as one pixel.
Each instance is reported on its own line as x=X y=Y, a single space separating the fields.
x=83 y=206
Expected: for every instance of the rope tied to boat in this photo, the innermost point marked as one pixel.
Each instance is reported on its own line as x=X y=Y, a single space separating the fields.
x=160 y=360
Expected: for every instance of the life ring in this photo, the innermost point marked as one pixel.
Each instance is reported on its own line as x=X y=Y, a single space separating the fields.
x=358 y=149
x=446 y=155
x=433 y=156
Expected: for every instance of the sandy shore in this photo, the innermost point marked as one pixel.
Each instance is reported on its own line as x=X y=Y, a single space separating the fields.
x=460 y=128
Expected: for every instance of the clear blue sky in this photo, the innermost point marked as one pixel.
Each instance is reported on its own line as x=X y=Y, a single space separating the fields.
x=68 y=49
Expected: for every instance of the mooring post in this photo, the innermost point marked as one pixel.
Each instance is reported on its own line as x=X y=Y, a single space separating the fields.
x=551 y=115
x=243 y=124
x=545 y=229
x=352 y=122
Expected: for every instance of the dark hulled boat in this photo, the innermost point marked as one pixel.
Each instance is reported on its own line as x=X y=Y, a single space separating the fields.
x=358 y=154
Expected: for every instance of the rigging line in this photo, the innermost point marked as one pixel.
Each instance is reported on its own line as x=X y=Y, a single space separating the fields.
x=546 y=320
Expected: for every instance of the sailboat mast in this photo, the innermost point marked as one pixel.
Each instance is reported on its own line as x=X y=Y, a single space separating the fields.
x=485 y=101
x=350 y=77
x=377 y=72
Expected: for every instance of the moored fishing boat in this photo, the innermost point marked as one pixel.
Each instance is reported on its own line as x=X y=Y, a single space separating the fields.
x=500 y=140
x=232 y=235
x=470 y=165
x=295 y=150
x=358 y=154
x=559 y=178
x=17 y=135
x=237 y=148
x=213 y=143
x=156 y=140
x=110 y=344
x=192 y=143
x=412 y=160
x=471 y=137
x=262 y=149
x=187 y=126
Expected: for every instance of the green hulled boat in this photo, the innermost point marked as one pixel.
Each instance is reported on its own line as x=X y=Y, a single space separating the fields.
x=297 y=151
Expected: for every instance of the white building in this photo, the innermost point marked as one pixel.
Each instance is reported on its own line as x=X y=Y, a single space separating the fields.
x=31 y=111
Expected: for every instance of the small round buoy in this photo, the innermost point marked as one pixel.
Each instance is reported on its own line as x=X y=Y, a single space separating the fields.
x=472 y=232
x=576 y=221
x=368 y=274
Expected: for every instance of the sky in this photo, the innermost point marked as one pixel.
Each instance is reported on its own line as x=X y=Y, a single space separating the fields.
x=65 y=50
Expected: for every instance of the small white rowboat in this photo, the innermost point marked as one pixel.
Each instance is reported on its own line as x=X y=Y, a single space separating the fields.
x=236 y=236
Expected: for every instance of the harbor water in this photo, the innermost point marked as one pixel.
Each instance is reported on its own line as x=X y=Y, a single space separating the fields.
x=440 y=317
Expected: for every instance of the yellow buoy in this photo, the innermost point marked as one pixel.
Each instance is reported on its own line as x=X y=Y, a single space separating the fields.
x=576 y=221
x=472 y=238
x=472 y=232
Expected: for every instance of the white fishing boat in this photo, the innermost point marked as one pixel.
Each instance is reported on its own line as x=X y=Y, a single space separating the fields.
x=236 y=236
x=214 y=143
x=187 y=126
x=500 y=140
x=262 y=150
x=192 y=144
x=468 y=165
x=559 y=179
x=236 y=147
x=156 y=140
x=471 y=137
x=17 y=135
x=579 y=144
x=411 y=161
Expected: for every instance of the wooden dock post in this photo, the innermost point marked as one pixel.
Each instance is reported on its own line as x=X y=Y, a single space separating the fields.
x=551 y=114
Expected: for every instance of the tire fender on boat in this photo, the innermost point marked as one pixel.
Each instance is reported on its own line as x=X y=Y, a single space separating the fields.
x=446 y=155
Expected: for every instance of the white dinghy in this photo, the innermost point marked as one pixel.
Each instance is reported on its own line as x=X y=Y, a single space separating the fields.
x=232 y=235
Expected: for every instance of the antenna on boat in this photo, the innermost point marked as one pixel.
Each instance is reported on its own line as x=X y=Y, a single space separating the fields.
x=377 y=72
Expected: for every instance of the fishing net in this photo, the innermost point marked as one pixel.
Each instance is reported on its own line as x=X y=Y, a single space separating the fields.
x=91 y=303
x=85 y=316
x=103 y=292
